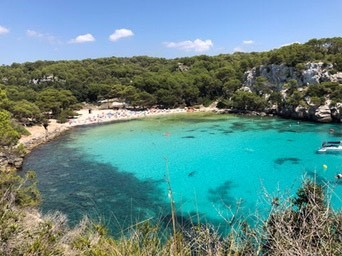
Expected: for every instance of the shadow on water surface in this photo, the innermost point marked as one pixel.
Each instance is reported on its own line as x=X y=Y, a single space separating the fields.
x=82 y=186
x=221 y=194
x=283 y=160
x=241 y=126
x=227 y=131
x=192 y=173
x=254 y=125
x=188 y=137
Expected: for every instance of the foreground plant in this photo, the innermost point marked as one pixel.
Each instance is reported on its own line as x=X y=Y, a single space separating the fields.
x=304 y=225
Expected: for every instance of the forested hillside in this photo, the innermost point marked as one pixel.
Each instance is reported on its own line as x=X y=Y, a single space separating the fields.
x=31 y=90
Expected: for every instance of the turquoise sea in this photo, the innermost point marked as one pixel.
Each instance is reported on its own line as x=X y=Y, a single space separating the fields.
x=219 y=166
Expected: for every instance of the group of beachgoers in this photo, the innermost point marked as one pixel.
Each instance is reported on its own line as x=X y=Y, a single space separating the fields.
x=101 y=116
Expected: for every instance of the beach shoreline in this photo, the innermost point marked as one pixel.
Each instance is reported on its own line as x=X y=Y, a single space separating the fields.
x=39 y=135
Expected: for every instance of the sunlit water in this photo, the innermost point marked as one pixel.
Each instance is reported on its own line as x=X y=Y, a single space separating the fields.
x=219 y=166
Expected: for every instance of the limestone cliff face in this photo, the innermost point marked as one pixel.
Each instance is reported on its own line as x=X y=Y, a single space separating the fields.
x=322 y=114
x=313 y=73
x=275 y=74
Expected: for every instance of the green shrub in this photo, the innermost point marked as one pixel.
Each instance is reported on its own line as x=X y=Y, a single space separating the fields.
x=305 y=226
x=8 y=135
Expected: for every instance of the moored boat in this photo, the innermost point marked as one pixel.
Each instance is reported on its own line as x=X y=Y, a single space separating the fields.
x=331 y=146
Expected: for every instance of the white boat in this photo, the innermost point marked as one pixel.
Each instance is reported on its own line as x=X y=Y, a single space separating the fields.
x=331 y=147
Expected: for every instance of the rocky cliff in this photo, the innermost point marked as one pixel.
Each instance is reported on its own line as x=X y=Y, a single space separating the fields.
x=322 y=114
x=303 y=77
x=10 y=159
x=313 y=73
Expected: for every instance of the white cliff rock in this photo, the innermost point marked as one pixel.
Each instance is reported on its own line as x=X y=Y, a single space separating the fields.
x=315 y=73
x=278 y=75
x=336 y=77
x=323 y=114
x=245 y=89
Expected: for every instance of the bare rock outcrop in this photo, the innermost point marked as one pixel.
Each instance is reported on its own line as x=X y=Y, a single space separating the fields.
x=278 y=75
x=275 y=74
x=323 y=114
x=9 y=159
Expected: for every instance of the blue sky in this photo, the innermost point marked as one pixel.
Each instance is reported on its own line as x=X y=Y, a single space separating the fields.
x=33 y=30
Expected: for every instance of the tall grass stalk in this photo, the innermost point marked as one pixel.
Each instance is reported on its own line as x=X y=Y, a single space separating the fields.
x=172 y=202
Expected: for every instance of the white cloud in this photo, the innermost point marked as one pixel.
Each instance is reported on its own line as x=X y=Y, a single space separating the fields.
x=120 y=33
x=83 y=39
x=248 y=42
x=197 y=45
x=3 y=30
x=32 y=33
x=43 y=36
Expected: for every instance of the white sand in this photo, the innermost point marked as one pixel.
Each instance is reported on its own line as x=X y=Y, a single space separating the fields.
x=39 y=135
x=108 y=115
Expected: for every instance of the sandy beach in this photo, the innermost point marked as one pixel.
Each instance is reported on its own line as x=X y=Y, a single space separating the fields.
x=39 y=135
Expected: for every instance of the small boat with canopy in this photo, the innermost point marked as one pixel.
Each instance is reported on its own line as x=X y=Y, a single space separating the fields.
x=331 y=147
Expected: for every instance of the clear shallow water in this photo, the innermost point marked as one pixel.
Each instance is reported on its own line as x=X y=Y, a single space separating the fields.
x=218 y=165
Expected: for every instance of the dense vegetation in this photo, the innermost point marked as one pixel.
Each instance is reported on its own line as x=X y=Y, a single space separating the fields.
x=34 y=89
x=303 y=225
